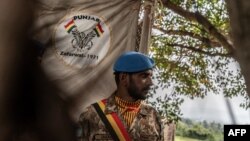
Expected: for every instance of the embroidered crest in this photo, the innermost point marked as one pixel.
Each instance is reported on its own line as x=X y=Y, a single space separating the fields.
x=82 y=39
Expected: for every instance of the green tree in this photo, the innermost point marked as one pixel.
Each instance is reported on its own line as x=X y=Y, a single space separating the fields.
x=205 y=124
x=193 y=49
x=197 y=130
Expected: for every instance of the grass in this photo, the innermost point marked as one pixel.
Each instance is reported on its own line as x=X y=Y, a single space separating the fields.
x=179 y=138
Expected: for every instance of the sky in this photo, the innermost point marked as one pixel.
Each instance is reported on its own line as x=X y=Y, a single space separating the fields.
x=214 y=108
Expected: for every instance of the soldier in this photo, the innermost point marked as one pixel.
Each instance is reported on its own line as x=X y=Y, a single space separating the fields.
x=124 y=115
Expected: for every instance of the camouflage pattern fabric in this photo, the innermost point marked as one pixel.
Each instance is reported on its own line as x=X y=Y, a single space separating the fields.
x=147 y=125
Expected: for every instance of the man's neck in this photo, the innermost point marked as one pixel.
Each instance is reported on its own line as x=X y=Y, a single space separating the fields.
x=125 y=96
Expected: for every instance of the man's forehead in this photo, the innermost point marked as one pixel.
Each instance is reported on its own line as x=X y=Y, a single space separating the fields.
x=149 y=71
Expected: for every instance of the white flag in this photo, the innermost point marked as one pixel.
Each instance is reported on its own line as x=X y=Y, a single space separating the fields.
x=83 y=38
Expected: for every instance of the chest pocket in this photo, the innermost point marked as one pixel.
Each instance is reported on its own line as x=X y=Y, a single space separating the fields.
x=145 y=137
x=148 y=129
x=102 y=137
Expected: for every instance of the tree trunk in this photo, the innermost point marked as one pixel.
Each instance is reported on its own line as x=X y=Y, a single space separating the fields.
x=240 y=21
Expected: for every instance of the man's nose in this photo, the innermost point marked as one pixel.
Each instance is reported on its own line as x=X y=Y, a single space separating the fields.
x=150 y=81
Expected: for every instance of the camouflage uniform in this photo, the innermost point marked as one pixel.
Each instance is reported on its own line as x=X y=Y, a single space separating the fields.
x=147 y=125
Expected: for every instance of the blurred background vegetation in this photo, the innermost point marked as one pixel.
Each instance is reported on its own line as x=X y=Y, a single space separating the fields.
x=193 y=48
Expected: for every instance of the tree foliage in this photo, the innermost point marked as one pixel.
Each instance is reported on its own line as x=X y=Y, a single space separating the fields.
x=193 y=50
x=211 y=131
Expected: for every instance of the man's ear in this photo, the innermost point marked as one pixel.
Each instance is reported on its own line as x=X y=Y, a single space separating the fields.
x=123 y=79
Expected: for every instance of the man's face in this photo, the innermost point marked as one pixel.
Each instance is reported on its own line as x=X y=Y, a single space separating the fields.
x=139 y=84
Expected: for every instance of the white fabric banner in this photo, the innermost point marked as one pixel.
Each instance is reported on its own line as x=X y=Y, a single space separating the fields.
x=82 y=39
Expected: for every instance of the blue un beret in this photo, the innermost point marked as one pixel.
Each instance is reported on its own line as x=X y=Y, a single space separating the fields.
x=133 y=62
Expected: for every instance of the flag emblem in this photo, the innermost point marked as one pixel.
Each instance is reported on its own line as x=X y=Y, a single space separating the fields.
x=81 y=39
x=98 y=30
x=70 y=25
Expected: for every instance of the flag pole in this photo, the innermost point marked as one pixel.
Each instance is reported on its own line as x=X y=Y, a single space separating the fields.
x=147 y=25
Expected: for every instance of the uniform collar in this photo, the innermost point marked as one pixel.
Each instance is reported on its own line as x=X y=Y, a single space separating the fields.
x=111 y=106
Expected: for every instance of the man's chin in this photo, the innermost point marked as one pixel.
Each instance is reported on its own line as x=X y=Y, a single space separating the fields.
x=140 y=97
x=143 y=97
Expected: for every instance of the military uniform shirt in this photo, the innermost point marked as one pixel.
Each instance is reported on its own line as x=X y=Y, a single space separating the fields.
x=146 y=126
